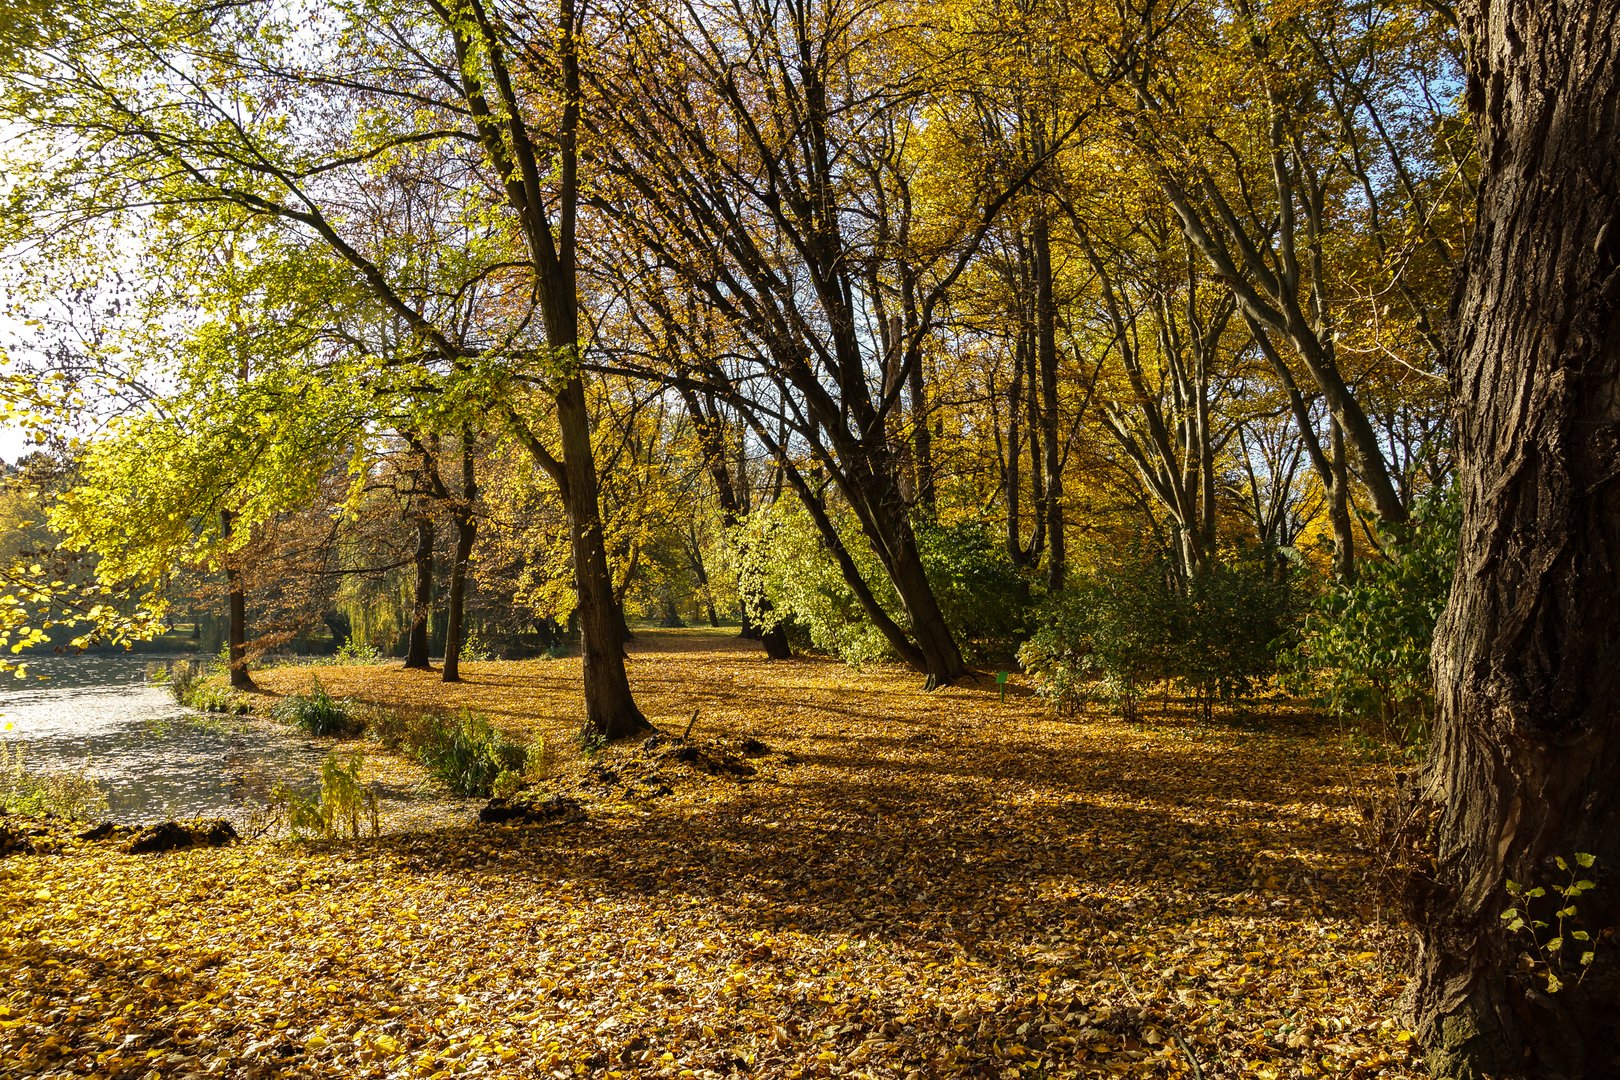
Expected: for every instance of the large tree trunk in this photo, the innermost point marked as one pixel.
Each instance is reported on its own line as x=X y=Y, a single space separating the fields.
x=610 y=710
x=236 y=624
x=887 y=525
x=1525 y=763
x=416 y=651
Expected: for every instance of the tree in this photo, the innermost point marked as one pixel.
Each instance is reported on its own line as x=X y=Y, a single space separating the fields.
x=264 y=127
x=1525 y=764
x=759 y=158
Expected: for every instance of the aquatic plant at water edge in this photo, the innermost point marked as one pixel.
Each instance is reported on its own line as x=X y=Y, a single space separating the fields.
x=345 y=805
x=188 y=683
x=179 y=677
x=63 y=793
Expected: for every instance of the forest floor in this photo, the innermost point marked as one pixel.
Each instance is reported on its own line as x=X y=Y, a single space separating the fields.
x=910 y=885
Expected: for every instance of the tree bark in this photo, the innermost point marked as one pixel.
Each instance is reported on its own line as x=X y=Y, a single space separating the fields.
x=1046 y=355
x=416 y=651
x=610 y=710
x=466 y=534
x=1344 y=531
x=1525 y=762
x=236 y=623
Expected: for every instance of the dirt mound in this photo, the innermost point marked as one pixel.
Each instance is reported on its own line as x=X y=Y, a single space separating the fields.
x=14 y=841
x=519 y=810
x=651 y=769
x=174 y=835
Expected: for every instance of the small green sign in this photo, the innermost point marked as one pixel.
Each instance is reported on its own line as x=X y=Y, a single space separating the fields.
x=1001 y=683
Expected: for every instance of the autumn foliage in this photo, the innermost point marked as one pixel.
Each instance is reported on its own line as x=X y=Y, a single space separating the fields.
x=908 y=884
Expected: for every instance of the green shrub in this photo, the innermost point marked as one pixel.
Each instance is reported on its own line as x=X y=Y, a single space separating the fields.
x=189 y=682
x=475 y=648
x=358 y=652
x=344 y=806
x=1108 y=634
x=984 y=600
x=317 y=713
x=809 y=597
x=180 y=677
x=1135 y=623
x=1364 y=650
x=1239 y=616
x=213 y=698
x=467 y=753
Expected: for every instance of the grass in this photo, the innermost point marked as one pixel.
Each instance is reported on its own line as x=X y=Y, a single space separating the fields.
x=941 y=885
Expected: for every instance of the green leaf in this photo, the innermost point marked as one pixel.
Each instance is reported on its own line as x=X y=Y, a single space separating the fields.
x=1585 y=859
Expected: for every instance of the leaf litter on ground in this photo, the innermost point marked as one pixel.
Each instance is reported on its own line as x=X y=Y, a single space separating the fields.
x=906 y=884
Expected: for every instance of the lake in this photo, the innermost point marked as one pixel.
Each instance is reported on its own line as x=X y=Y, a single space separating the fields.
x=154 y=758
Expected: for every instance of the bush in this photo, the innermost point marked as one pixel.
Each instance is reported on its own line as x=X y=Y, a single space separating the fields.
x=317 y=713
x=190 y=684
x=1111 y=632
x=1364 y=650
x=358 y=652
x=1134 y=623
x=982 y=597
x=345 y=805
x=213 y=698
x=180 y=678
x=467 y=753
x=984 y=600
x=809 y=597
x=1240 y=617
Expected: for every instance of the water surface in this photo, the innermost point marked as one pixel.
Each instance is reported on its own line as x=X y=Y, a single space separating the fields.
x=154 y=758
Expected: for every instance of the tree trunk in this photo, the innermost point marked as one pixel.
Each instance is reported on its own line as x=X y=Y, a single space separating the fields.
x=1046 y=355
x=888 y=527
x=236 y=624
x=732 y=495
x=610 y=710
x=1344 y=531
x=922 y=440
x=416 y=651
x=454 y=631
x=1525 y=762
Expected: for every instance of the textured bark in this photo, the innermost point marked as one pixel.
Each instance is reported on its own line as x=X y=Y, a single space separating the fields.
x=1344 y=532
x=416 y=651
x=550 y=236
x=1525 y=763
